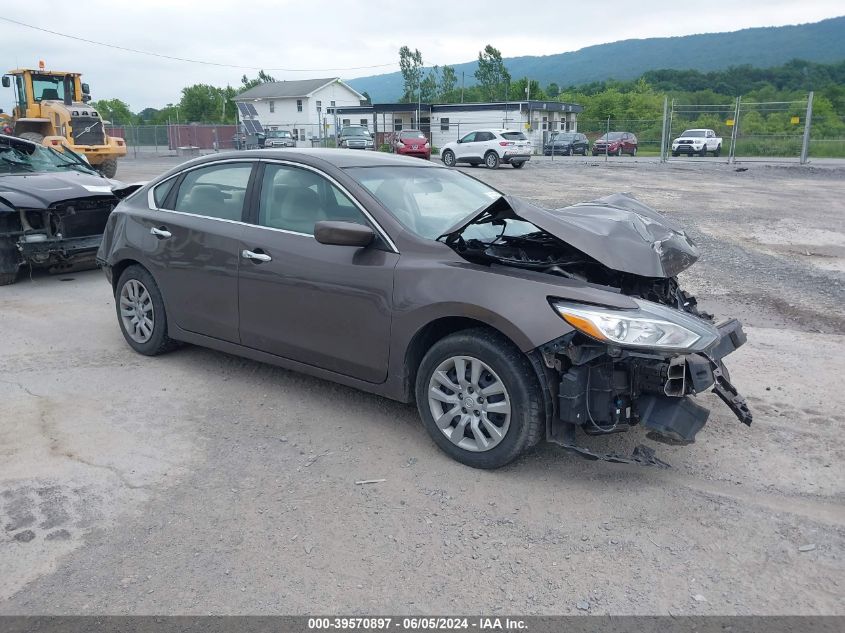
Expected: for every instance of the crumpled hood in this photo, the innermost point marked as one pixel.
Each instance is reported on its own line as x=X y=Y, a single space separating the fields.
x=618 y=231
x=39 y=191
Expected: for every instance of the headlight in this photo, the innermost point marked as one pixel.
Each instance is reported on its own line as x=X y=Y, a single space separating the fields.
x=651 y=325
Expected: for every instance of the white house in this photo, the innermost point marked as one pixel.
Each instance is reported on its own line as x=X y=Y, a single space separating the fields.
x=301 y=106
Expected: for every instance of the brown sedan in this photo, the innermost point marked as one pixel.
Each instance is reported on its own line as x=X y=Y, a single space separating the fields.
x=506 y=322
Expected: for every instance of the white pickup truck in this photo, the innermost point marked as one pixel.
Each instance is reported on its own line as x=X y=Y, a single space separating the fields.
x=700 y=141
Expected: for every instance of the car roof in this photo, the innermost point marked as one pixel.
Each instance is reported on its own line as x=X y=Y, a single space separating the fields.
x=341 y=158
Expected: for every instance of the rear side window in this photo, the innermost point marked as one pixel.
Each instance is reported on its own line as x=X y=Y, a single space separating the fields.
x=161 y=191
x=216 y=191
x=514 y=136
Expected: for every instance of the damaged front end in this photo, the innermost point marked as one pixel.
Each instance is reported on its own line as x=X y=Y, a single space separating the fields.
x=614 y=368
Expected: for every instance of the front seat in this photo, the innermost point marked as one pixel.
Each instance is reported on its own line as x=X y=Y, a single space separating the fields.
x=300 y=210
x=50 y=94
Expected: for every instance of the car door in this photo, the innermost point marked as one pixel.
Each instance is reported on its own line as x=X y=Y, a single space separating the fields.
x=191 y=241
x=323 y=305
x=465 y=148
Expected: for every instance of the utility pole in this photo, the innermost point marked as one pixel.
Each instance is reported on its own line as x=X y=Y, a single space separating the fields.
x=462 y=86
x=663 y=130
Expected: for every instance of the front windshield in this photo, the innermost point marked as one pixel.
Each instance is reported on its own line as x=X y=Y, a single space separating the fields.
x=355 y=131
x=411 y=134
x=48 y=87
x=427 y=201
x=278 y=134
x=693 y=133
x=19 y=159
x=613 y=136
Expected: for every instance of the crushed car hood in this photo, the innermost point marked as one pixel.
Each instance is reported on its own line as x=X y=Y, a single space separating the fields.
x=40 y=190
x=618 y=231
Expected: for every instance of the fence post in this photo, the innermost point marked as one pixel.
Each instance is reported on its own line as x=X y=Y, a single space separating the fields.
x=734 y=129
x=663 y=130
x=805 y=144
x=607 y=141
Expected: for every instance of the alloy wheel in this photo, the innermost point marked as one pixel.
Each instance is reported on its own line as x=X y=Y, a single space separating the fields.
x=136 y=311
x=469 y=403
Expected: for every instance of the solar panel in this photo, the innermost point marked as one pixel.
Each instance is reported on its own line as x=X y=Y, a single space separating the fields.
x=243 y=109
x=259 y=129
x=249 y=126
x=251 y=109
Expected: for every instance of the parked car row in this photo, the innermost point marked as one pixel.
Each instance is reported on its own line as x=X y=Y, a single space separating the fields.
x=611 y=143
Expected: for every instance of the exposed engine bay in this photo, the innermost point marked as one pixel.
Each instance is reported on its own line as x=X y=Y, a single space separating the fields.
x=598 y=382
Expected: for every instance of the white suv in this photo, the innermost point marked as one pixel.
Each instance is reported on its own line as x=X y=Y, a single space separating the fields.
x=490 y=147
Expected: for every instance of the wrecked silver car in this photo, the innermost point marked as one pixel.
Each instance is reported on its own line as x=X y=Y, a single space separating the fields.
x=53 y=208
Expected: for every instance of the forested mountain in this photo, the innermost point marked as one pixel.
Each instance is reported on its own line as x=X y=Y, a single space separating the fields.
x=760 y=47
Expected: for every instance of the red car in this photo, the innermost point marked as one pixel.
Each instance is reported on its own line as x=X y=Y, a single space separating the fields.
x=412 y=143
x=616 y=144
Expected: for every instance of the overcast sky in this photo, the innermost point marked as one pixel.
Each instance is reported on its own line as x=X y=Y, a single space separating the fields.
x=326 y=37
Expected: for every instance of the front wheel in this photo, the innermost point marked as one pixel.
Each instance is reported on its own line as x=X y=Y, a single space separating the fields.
x=491 y=160
x=108 y=167
x=634 y=152
x=718 y=151
x=448 y=158
x=518 y=164
x=140 y=312
x=479 y=399
x=619 y=152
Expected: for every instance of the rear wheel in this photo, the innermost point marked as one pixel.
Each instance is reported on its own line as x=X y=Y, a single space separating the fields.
x=518 y=164
x=108 y=167
x=634 y=152
x=140 y=312
x=9 y=261
x=718 y=151
x=479 y=399
x=491 y=159
x=448 y=158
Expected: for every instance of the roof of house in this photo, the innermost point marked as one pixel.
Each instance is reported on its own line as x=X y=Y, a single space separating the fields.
x=287 y=89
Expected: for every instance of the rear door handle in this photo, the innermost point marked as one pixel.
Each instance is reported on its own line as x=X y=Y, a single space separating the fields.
x=259 y=257
x=162 y=234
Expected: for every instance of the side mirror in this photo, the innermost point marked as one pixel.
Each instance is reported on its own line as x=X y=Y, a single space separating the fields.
x=459 y=141
x=85 y=89
x=86 y=98
x=7 y=81
x=343 y=233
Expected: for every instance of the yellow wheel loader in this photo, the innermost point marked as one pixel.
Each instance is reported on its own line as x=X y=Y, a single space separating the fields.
x=51 y=108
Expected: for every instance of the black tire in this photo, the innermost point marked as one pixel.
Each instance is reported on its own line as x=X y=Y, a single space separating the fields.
x=619 y=151
x=703 y=152
x=675 y=154
x=491 y=160
x=570 y=152
x=718 y=151
x=448 y=158
x=516 y=373
x=108 y=167
x=634 y=152
x=518 y=164
x=159 y=342
x=35 y=137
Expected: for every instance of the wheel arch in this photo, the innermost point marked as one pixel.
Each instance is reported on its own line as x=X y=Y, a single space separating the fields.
x=118 y=268
x=434 y=331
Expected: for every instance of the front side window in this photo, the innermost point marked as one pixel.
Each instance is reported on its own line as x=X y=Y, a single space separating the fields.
x=295 y=199
x=469 y=138
x=216 y=191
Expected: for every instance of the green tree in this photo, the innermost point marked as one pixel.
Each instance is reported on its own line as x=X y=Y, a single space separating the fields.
x=367 y=99
x=115 y=111
x=448 y=82
x=491 y=74
x=553 y=90
x=262 y=78
x=410 y=64
x=429 y=86
x=519 y=90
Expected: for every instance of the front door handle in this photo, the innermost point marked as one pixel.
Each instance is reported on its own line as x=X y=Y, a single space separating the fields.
x=259 y=257
x=162 y=234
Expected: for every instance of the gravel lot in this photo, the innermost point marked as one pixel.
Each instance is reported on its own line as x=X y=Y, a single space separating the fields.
x=202 y=483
